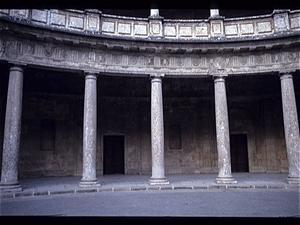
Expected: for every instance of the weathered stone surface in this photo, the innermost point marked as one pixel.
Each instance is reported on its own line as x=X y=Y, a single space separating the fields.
x=157 y=133
x=12 y=132
x=291 y=127
x=222 y=132
x=89 y=178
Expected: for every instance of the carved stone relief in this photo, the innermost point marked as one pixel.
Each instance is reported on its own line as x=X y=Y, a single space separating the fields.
x=133 y=60
x=258 y=59
x=65 y=54
x=12 y=49
x=48 y=51
x=33 y=52
x=243 y=60
x=149 y=61
x=27 y=49
x=180 y=62
x=101 y=58
x=195 y=61
x=164 y=61
x=117 y=59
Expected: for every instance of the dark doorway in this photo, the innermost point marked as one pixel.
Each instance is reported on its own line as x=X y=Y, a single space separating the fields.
x=113 y=154
x=239 y=153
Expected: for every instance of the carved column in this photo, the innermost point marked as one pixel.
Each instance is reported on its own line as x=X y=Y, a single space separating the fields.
x=89 y=178
x=12 y=131
x=157 y=133
x=291 y=127
x=222 y=131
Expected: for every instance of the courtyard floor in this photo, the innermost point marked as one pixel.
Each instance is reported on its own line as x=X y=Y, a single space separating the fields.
x=113 y=183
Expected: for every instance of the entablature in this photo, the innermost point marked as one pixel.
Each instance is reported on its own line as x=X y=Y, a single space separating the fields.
x=85 y=58
x=57 y=48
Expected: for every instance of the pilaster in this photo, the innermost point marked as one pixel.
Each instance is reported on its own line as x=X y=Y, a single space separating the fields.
x=281 y=20
x=216 y=23
x=156 y=24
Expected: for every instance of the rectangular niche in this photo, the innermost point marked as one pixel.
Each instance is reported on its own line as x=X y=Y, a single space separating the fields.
x=175 y=142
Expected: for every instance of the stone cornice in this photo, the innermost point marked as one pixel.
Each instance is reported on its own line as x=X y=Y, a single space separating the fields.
x=94 y=23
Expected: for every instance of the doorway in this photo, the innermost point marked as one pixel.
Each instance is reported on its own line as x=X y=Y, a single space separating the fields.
x=239 y=153
x=113 y=154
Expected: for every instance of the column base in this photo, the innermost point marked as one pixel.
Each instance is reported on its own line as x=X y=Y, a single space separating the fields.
x=89 y=184
x=225 y=180
x=10 y=187
x=158 y=181
x=293 y=180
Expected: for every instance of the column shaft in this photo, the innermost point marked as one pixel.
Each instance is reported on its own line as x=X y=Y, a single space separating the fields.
x=89 y=178
x=12 y=131
x=291 y=127
x=157 y=133
x=222 y=132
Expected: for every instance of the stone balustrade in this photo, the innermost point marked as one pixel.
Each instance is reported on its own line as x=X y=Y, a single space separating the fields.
x=157 y=28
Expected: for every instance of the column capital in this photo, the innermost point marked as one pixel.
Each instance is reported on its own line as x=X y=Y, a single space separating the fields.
x=17 y=66
x=219 y=79
x=91 y=75
x=156 y=77
x=284 y=74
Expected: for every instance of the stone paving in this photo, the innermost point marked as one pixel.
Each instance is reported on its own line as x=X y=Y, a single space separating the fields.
x=69 y=185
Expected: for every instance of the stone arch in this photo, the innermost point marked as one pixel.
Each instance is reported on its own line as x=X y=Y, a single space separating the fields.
x=241 y=121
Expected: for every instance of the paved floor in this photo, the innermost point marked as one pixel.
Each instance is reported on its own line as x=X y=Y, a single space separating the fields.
x=63 y=185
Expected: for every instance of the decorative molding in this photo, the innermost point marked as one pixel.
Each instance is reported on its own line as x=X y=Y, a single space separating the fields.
x=85 y=58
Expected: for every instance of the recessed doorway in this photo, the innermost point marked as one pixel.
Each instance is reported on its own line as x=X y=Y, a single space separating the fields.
x=113 y=154
x=239 y=153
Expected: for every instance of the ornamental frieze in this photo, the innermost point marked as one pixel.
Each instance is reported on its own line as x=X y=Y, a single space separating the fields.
x=80 y=58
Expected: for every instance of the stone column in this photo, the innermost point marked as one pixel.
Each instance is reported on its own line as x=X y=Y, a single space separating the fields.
x=89 y=178
x=222 y=131
x=291 y=127
x=157 y=133
x=12 y=131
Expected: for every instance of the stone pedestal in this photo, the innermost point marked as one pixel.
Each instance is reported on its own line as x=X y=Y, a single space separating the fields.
x=12 y=131
x=291 y=127
x=157 y=133
x=89 y=178
x=222 y=132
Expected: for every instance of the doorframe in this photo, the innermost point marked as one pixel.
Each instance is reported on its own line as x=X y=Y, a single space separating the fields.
x=102 y=146
x=247 y=135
